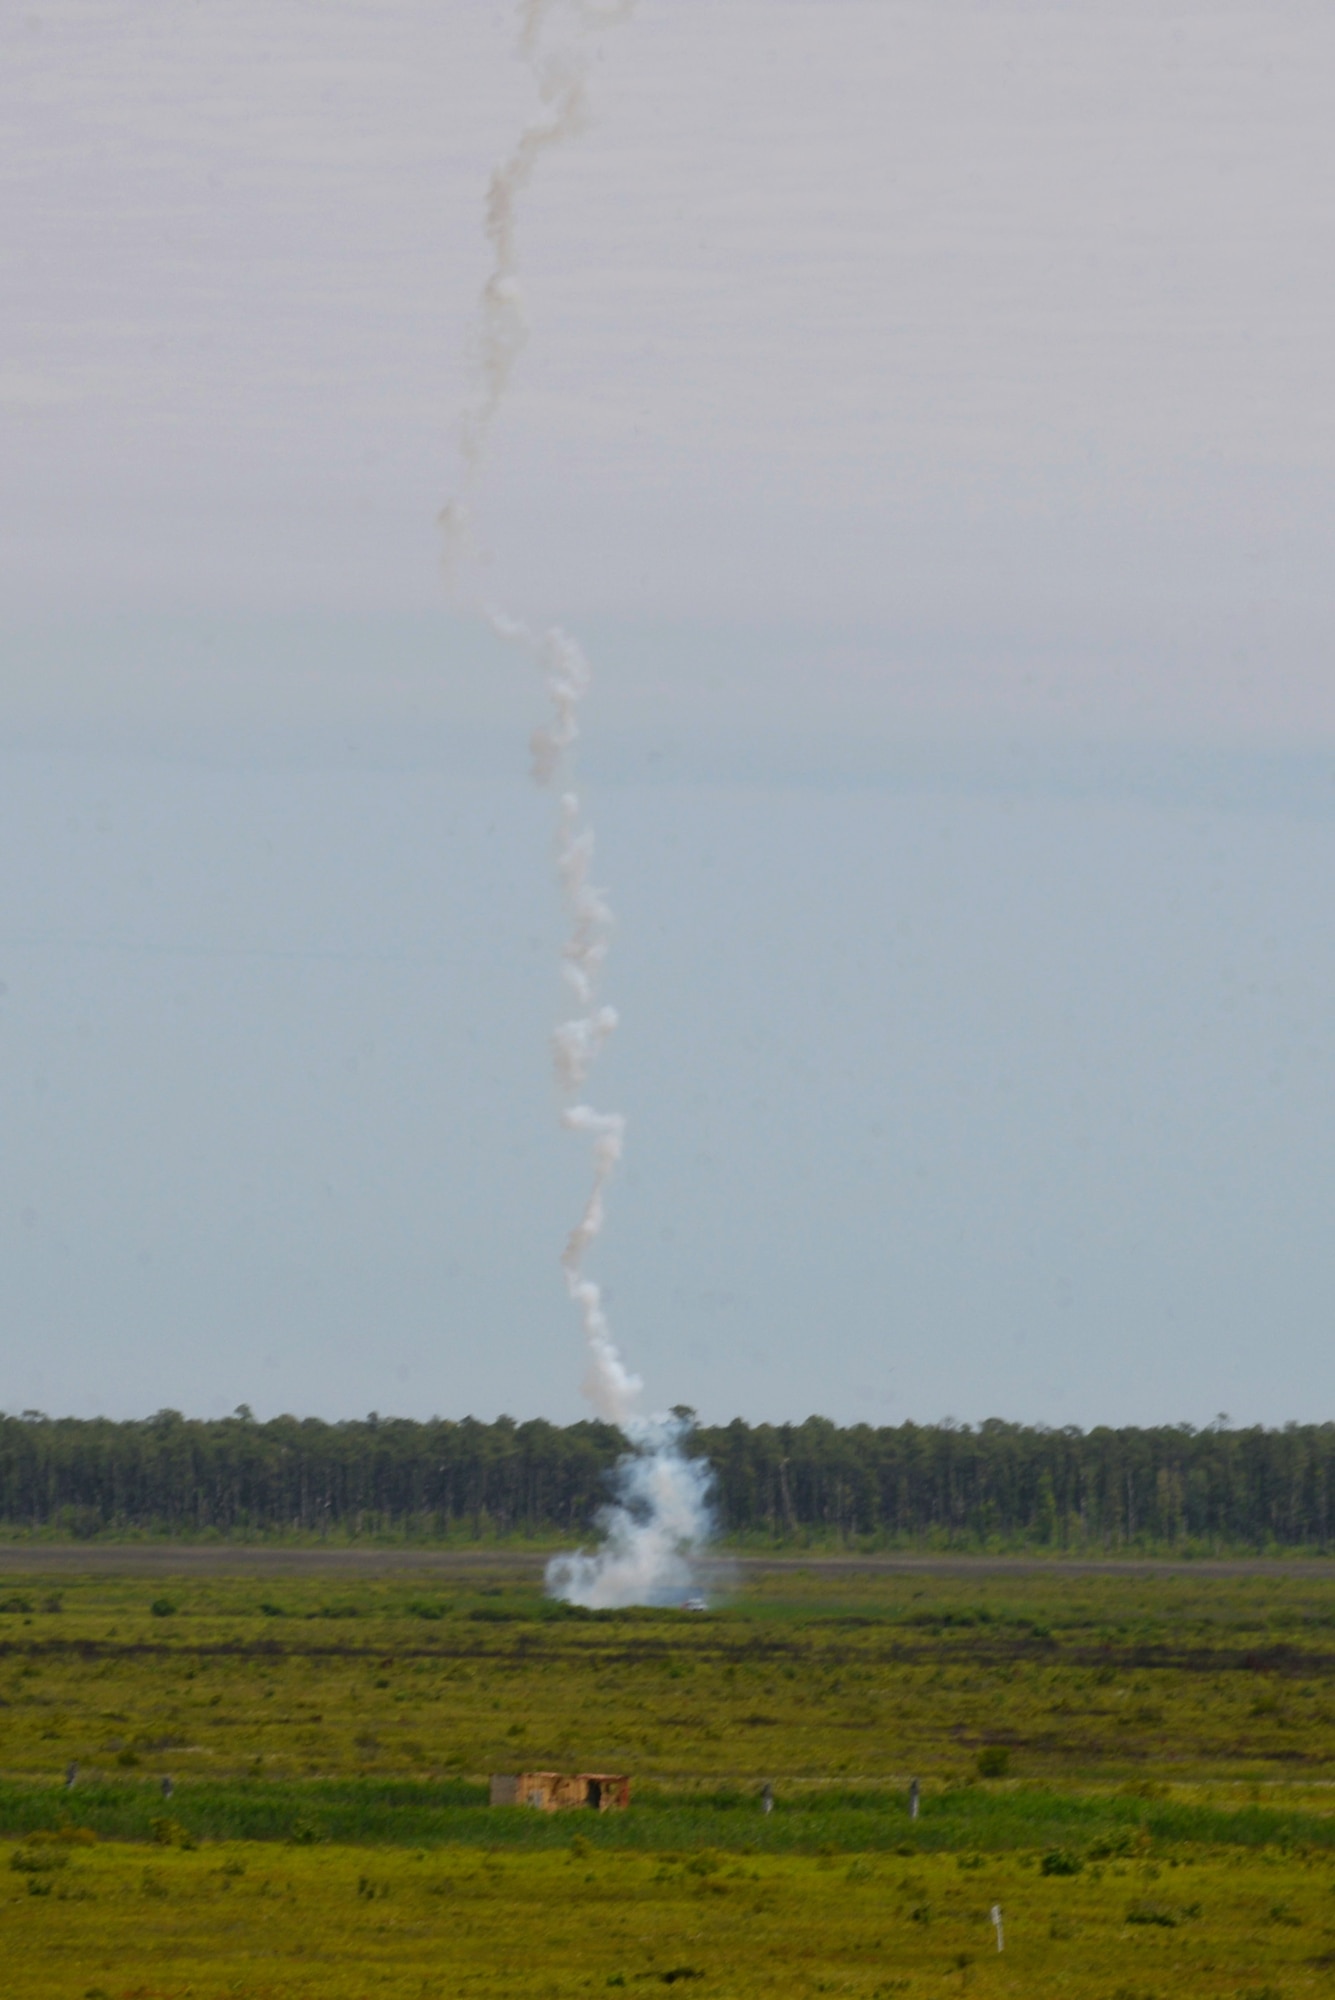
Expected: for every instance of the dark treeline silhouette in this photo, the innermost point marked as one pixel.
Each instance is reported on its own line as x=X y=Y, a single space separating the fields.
x=995 y=1484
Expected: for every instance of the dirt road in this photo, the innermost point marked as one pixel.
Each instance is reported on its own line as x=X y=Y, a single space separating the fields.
x=464 y=1565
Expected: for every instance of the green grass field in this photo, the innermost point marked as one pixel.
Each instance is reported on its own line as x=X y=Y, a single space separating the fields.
x=1137 y=1767
x=246 y=1920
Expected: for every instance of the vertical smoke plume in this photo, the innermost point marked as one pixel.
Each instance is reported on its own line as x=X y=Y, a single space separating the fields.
x=660 y=1511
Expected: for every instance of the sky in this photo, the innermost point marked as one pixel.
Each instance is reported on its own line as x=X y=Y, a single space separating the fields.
x=926 y=423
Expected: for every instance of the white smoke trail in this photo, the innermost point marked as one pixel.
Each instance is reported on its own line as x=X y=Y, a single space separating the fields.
x=560 y=71
x=660 y=1512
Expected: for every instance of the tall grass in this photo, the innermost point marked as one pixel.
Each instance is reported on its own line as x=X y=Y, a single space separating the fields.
x=455 y=1813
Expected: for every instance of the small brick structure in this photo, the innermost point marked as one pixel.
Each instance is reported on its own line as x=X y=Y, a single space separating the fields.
x=553 y=1791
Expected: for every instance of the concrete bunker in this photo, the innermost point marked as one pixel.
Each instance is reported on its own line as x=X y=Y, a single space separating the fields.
x=554 y=1791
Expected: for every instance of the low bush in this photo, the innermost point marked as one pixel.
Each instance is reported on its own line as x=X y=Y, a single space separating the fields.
x=1060 y=1861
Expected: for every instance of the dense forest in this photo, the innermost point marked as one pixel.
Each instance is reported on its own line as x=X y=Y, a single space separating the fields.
x=996 y=1484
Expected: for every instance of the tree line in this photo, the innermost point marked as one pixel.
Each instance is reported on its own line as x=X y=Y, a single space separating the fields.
x=994 y=1484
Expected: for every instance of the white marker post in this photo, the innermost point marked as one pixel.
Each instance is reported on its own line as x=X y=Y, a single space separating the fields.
x=996 y=1922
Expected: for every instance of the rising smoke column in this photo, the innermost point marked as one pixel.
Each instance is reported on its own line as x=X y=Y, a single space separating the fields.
x=660 y=1510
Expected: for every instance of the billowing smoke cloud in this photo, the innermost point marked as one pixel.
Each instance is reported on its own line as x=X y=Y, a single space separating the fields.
x=660 y=1511
x=660 y=1515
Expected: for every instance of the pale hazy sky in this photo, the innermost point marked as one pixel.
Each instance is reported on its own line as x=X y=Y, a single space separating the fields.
x=928 y=422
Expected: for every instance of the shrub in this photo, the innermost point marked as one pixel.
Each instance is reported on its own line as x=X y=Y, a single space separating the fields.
x=1152 y=1913
x=163 y=1607
x=994 y=1761
x=36 y=1858
x=1111 y=1846
x=1060 y=1861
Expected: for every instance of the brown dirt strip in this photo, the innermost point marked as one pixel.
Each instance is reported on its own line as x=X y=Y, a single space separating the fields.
x=237 y=1558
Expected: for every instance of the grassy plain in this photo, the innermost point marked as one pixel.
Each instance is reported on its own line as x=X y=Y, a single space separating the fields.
x=1168 y=1744
x=239 y=1920
x=804 y=1679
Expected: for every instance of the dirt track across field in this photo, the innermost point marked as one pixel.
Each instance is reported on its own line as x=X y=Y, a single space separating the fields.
x=460 y=1565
